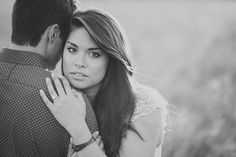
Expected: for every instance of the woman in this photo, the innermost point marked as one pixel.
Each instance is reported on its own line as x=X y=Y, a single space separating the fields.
x=131 y=116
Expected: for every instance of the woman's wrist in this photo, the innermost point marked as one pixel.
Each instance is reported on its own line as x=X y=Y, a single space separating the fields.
x=80 y=147
x=80 y=134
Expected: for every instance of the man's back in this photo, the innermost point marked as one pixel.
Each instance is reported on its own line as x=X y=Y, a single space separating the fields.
x=27 y=127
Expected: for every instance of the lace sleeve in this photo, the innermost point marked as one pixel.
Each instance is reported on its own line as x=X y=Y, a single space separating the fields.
x=151 y=109
x=147 y=101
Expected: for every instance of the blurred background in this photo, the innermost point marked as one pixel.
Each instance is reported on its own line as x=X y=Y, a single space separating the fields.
x=185 y=49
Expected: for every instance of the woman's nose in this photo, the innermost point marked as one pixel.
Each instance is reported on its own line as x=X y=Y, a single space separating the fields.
x=80 y=60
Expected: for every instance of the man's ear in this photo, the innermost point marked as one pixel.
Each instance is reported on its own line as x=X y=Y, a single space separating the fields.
x=54 y=33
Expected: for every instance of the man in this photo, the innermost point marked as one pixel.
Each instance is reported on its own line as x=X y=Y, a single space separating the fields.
x=27 y=128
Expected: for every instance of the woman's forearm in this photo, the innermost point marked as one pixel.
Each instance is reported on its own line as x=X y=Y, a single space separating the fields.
x=80 y=133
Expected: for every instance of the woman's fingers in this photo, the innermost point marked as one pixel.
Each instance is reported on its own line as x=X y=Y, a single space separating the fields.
x=66 y=85
x=47 y=101
x=65 y=88
x=70 y=150
x=51 y=89
x=80 y=97
x=95 y=135
x=77 y=94
x=98 y=139
x=58 y=85
x=65 y=107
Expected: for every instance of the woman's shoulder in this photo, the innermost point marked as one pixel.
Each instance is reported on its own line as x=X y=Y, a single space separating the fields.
x=150 y=112
x=147 y=100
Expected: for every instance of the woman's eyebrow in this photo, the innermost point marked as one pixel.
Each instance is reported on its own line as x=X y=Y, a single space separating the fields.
x=72 y=43
x=95 y=48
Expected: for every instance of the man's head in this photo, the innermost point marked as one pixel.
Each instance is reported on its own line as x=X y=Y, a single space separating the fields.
x=37 y=20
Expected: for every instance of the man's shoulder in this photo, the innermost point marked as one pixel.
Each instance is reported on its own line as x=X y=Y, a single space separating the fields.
x=20 y=91
x=31 y=76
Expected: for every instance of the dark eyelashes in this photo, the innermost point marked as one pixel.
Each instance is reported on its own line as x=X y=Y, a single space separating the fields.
x=71 y=49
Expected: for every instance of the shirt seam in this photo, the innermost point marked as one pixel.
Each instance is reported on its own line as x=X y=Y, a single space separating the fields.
x=20 y=83
x=8 y=77
x=20 y=64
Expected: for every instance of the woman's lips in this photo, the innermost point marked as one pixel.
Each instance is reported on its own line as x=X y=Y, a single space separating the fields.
x=78 y=75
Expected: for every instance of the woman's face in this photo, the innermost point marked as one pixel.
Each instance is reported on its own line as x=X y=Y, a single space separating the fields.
x=84 y=63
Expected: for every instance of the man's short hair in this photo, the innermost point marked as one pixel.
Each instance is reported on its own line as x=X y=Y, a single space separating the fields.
x=31 y=18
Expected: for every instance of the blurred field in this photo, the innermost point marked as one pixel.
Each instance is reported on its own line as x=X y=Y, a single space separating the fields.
x=186 y=50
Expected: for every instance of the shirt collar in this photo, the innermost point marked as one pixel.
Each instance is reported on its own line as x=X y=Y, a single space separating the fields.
x=23 y=57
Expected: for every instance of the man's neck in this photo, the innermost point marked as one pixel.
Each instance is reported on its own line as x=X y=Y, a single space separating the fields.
x=36 y=49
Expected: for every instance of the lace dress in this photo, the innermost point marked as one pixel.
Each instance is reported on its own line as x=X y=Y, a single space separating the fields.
x=151 y=108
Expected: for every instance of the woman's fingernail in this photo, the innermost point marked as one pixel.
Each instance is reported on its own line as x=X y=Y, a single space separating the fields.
x=71 y=140
x=95 y=134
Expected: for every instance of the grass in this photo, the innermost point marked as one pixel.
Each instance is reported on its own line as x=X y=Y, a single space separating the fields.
x=186 y=50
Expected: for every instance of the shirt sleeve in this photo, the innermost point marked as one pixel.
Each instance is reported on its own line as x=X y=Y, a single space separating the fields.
x=151 y=109
x=155 y=123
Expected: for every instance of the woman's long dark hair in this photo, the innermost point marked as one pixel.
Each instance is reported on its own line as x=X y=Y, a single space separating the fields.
x=115 y=101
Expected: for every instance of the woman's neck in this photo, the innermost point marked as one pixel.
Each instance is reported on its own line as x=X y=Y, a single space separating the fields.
x=91 y=93
x=91 y=96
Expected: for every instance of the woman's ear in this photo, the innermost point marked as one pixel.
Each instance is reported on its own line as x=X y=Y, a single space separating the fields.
x=54 y=33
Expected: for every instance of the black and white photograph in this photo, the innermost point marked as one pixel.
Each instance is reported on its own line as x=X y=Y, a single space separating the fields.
x=117 y=78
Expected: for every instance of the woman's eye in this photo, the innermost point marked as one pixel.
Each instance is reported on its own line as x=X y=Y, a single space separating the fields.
x=95 y=54
x=71 y=50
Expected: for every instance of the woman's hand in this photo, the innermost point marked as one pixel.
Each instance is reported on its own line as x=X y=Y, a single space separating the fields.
x=67 y=107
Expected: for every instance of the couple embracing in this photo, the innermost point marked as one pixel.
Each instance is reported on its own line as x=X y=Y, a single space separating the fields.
x=93 y=107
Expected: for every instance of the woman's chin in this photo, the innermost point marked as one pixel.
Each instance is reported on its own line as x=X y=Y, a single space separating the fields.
x=80 y=87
